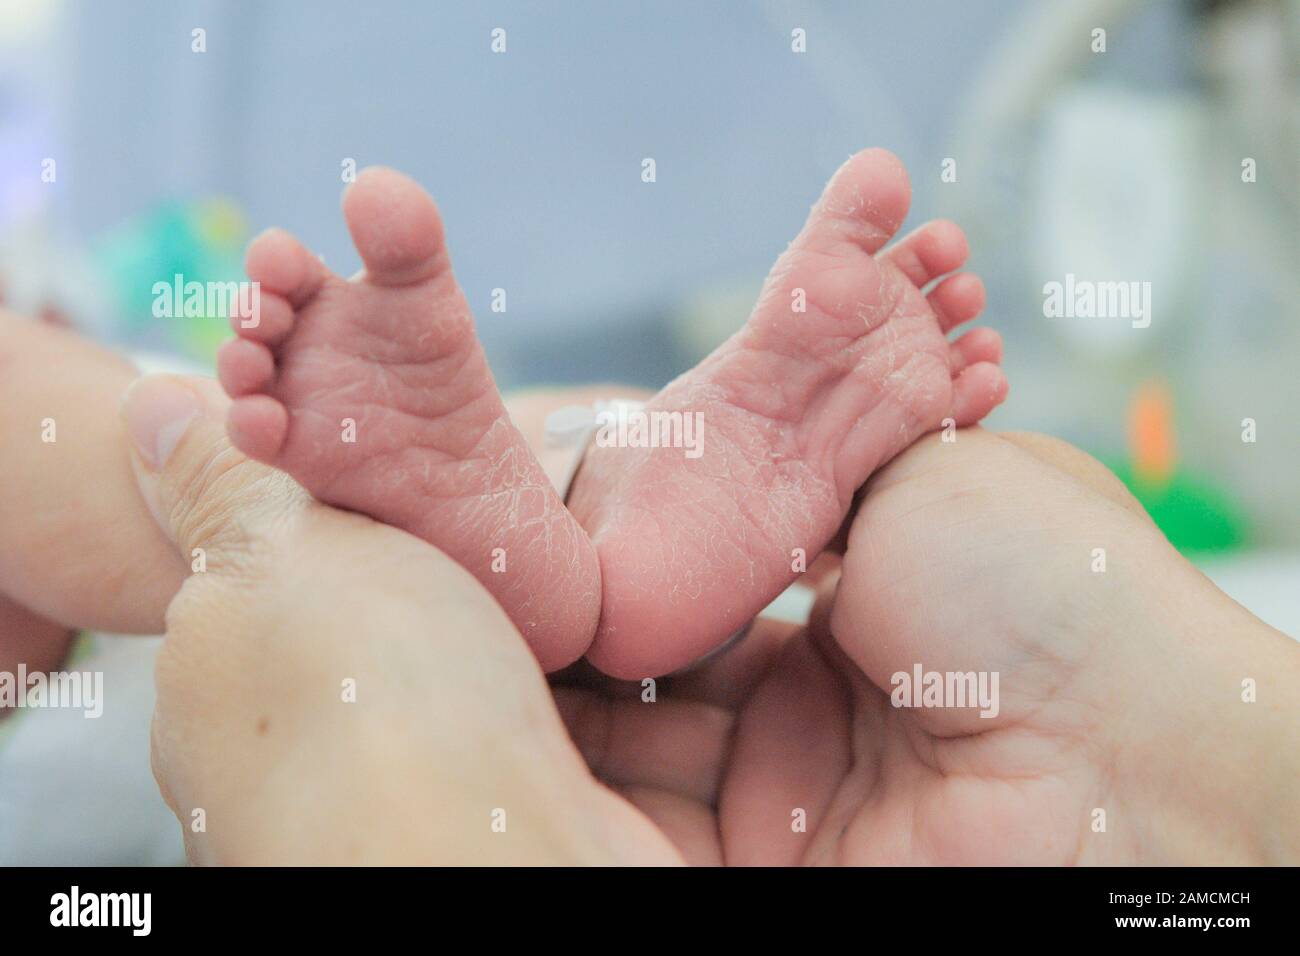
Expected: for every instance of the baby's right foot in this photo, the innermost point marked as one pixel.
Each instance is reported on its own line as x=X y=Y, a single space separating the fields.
x=843 y=364
x=375 y=394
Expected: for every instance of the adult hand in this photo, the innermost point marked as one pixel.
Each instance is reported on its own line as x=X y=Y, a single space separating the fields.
x=1121 y=734
x=332 y=690
x=977 y=556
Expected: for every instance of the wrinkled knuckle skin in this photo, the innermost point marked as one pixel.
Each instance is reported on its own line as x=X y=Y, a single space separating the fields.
x=206 y=502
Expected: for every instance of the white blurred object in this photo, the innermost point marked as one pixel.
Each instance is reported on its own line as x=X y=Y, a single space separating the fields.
x=1115 y=201
x=23 y=21
x=793 y=605
x=1266 y=583
x=37 y=272
x=80 y=792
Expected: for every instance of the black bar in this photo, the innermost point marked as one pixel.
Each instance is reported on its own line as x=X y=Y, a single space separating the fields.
x=915 y=906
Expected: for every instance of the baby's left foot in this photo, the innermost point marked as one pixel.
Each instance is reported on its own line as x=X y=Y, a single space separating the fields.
x=375 y=394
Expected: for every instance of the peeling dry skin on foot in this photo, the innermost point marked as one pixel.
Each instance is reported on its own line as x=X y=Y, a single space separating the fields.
x=394 y=352
x=800 y=407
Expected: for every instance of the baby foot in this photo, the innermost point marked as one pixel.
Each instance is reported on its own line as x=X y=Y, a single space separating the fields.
x=798 y=408
x=375 y=394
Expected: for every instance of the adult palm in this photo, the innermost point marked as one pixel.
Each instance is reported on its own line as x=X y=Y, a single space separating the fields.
x=973 y=556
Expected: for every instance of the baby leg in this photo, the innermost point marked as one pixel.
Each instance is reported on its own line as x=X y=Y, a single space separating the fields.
x=81 y=549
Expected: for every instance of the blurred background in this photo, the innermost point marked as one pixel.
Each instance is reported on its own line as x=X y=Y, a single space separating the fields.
x=1163 y=150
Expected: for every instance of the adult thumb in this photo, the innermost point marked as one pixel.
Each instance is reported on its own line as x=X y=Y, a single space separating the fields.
x=221 y=509
x=203 y=492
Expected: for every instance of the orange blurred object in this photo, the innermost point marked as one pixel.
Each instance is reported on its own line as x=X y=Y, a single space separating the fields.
x=1151 y=434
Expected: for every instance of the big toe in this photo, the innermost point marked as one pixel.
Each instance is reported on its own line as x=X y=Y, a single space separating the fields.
x=864 y=203
x=395 y=227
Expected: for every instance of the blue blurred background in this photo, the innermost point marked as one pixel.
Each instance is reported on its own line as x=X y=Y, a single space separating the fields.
x=1121 y=164
x=1117 y=164
x=1169 y=156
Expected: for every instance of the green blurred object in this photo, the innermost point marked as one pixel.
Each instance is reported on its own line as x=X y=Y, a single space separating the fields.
x=202 y=241
x=1194 y=515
